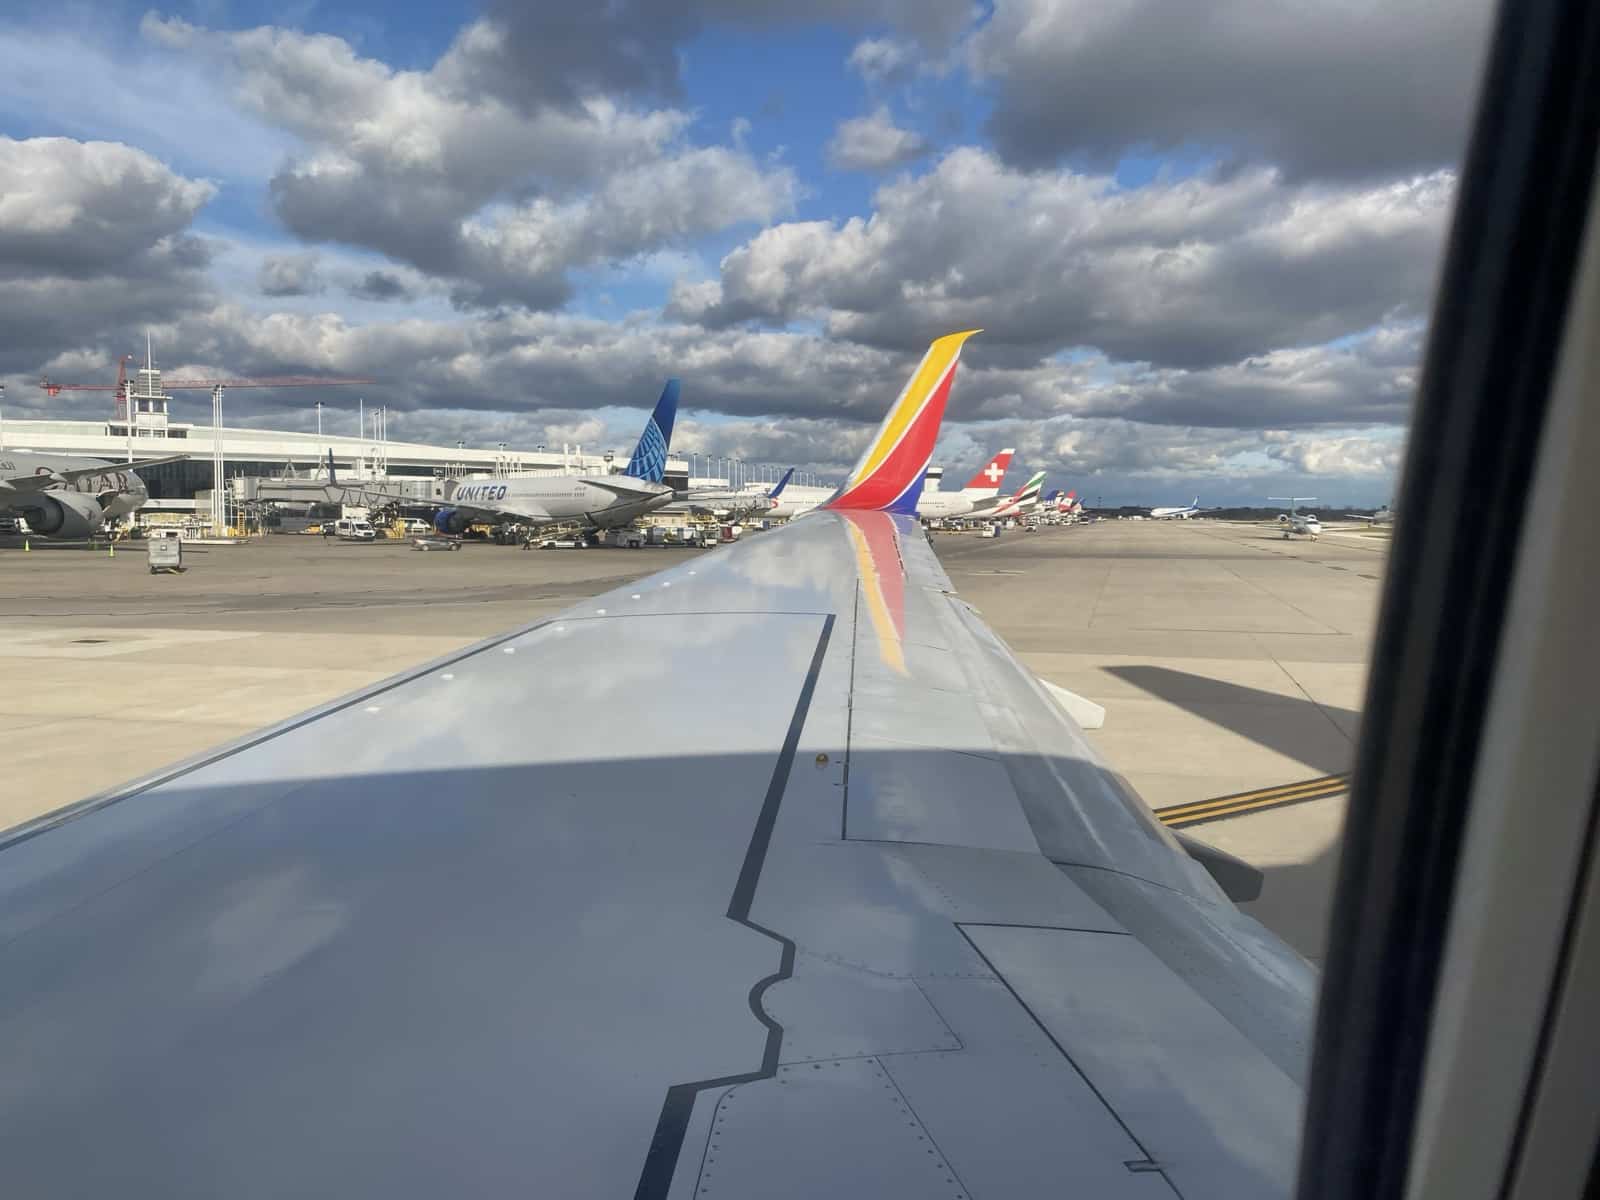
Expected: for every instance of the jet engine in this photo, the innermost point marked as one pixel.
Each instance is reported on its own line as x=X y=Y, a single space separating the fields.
x=451 y=521
x=60 y=514
x=1283 y=518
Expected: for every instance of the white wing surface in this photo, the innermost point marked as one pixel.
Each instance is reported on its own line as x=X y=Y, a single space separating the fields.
x=873 y=921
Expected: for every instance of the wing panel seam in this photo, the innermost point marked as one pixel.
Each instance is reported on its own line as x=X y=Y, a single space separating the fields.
x=672 y=1126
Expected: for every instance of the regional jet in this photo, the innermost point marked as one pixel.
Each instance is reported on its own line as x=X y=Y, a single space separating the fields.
x=884 y=924
x=981 y=493
x=62 y=496
x=740 y=505
x=1295 y=521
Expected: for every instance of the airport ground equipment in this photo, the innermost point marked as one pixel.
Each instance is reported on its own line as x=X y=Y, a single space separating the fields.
x=164 y=553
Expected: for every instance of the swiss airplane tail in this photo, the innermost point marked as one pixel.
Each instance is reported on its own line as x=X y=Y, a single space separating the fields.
x=987 y=481
x=889 y=475
x=649 y=461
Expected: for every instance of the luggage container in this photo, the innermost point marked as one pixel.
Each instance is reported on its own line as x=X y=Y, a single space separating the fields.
x=165 y=553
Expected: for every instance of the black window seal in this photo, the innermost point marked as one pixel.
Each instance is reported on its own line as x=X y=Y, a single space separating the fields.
x=1488 y=371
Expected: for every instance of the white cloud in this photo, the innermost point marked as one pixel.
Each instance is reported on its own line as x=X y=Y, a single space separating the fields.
x=1192 y=272
x=430 y=168
x=874 y=143
x=883 y=60
x=75 y=208
x=1348 y=89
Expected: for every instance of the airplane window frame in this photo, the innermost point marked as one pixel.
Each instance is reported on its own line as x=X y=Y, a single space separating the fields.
x=1523 y=202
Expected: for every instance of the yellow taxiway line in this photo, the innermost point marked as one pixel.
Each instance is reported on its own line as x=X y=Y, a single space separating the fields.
x=1242 y=802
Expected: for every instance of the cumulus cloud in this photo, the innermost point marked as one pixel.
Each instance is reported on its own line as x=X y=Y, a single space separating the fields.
x=84 y=209
x=1186 y=273
x=874 y=143
x=381 y=285
x=434 y=169
x=883 y=60
x=92 y=236
x=558 y=55
x=1357 y=88
x=290 y=275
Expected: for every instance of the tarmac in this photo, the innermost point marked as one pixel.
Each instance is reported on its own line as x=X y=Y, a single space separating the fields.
x=1231 y=662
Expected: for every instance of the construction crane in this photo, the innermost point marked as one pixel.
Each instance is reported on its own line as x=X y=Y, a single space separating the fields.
x=151 y=390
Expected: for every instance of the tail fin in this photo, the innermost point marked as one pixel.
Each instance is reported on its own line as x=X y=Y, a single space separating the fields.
x=988 y=480
x=782 y=483
x=332 y=476
x=1029 y=494
x=649 y=461
x=890 y=472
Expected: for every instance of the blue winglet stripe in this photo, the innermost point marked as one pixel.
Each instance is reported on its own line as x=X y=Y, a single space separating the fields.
x=649 y=461
x=906 y=502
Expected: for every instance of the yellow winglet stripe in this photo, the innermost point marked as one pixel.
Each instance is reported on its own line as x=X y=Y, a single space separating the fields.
x=941 y=353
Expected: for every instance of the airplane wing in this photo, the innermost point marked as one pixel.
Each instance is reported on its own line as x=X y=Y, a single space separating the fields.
x=39 y=483
x=874 y=920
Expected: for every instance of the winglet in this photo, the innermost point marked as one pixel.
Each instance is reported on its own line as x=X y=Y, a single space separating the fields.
x=782 y=483
x=649 y=461
x=890 y=472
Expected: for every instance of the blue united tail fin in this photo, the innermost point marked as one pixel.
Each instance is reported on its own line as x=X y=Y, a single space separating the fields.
x=773 y=494
x=649 y=461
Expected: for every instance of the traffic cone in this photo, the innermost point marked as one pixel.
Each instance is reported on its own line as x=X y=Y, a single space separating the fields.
x=26 y=545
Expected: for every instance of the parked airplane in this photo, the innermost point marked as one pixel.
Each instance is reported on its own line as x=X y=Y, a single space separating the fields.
x=598 y=501
x=655 y=943
x=1021 y=504
x=63 y=496
x=739 y=505
x=981 y=493
x=1295 y=521
x=1182 y=513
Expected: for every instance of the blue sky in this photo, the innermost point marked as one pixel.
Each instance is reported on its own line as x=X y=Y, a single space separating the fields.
x=1188 y=282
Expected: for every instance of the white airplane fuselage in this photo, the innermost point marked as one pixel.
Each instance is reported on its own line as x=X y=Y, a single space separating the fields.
x=600 y=501
x=1307 y=526
x=941 y=505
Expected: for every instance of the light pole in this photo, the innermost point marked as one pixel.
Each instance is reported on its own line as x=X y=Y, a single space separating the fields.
x=319 y=418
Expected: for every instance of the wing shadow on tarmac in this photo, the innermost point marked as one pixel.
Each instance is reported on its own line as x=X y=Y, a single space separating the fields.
x=1296 y=900
x=1320 y=735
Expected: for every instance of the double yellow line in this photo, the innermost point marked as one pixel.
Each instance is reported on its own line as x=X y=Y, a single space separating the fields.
x=1215 y=809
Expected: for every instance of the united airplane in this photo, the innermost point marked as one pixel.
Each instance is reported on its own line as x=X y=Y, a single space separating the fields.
x=981 y=493
x=877 y=921
x=596 y=501
x=61 y=496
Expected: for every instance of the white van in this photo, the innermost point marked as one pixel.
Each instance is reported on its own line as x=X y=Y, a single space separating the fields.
x=354 y=531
